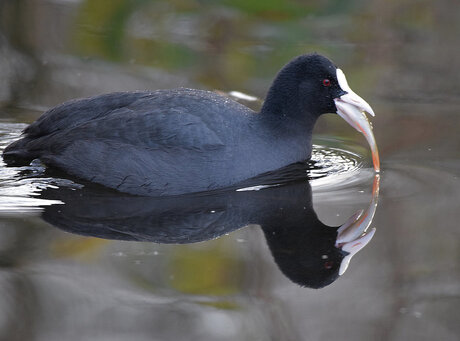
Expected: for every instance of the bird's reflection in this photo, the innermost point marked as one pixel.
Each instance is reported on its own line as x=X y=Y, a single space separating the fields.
x=307 y=251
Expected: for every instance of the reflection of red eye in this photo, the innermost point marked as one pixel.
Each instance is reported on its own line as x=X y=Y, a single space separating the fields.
x=326 y=82
x=328 y=265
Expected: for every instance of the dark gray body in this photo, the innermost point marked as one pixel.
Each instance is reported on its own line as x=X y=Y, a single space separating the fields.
x=165 y=142
x=170 y=142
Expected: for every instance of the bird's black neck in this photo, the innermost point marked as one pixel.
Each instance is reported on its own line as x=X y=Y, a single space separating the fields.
x=284 y=107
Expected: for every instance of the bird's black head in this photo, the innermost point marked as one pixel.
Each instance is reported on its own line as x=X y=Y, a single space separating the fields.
x=311 y=85
x=306 y=86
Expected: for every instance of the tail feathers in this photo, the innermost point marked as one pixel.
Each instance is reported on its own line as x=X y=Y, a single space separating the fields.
x=16 y=154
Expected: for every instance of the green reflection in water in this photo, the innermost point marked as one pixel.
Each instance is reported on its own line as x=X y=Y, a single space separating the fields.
x=224 y=43
x=101 y=26
x=205 y=270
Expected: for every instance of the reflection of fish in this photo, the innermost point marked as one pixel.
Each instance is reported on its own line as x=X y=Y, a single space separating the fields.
x=353 y=235
x=307 y=251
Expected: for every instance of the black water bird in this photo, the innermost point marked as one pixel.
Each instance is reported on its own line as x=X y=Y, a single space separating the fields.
x=170 y=142
x=306 y=250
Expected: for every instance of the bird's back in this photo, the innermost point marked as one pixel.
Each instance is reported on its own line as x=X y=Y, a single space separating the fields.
x=151 y=143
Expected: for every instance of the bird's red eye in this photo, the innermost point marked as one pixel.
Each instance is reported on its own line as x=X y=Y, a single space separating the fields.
x=326 y=82
x=328 y=265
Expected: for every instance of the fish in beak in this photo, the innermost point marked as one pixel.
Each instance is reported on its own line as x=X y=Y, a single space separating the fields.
x=352 y=109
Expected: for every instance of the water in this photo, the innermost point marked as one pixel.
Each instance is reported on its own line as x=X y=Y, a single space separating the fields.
x=61 y=281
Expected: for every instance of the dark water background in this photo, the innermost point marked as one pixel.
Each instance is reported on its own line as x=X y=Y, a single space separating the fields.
x=401 y=56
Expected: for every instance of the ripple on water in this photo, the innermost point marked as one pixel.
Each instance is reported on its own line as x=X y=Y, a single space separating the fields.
x=334 y=167
x=20 y=185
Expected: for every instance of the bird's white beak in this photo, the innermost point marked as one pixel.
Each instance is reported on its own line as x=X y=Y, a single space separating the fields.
x=352 y=109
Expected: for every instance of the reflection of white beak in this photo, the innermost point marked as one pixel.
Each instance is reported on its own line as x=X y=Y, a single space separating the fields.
x=353 y=247
x=352 y=109
x=353 y=236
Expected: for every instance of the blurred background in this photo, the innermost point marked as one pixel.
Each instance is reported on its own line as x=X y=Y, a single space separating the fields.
x=401 y=56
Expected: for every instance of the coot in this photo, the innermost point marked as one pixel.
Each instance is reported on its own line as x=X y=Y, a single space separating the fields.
x=170 y=142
